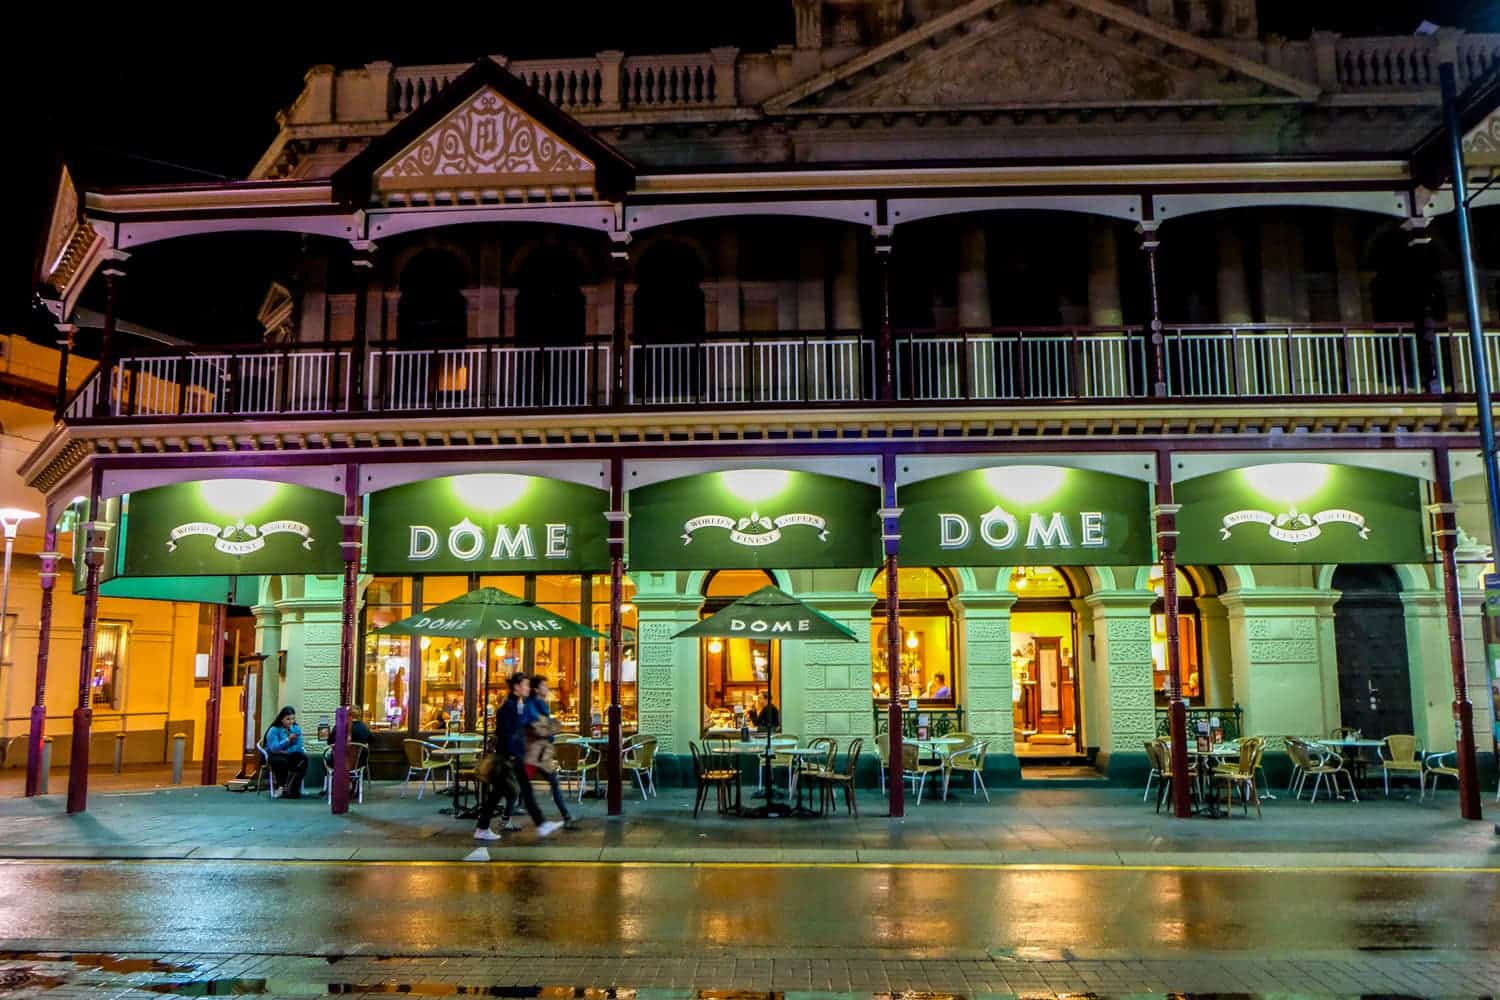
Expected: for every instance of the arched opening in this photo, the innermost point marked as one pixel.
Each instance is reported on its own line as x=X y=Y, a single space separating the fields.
x=669 y=303
x=550 y=308
x=1044 y=663
x=1189 y=641
x=928 y=638
x=735 y=671
x=1369 y=629
x=433 y=311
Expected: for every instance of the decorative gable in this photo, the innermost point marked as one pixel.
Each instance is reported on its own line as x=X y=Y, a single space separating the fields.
x=486 y=142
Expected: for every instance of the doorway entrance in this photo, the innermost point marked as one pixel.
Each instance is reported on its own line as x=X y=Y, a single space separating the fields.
x=1369 y=627
x=1044 y=664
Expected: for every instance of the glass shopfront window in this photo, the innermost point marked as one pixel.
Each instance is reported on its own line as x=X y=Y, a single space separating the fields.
x=927 y=639
x=1187 y=640
x=599 y=669
x=109 y=664
x=735 y=671
x=387 y=675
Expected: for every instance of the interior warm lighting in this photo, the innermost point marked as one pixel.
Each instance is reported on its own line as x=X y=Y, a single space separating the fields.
x=489 y=491
x=426 y=642
x=715 y=646
x=625 y=609
x=1287 y=482
x=1026 y=485
x=756 y=484
x=911 y=640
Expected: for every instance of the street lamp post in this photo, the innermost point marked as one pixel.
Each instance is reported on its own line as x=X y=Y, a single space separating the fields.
x=10 y=520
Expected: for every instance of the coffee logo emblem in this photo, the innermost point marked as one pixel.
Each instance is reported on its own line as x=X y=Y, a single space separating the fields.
x=239 y=539
x=1293 y=526
x=755 y=531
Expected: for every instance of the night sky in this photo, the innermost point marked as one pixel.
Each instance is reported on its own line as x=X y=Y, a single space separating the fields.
x=194 y=98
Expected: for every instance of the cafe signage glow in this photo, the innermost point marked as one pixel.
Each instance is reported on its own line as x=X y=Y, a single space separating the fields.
x=239 y=539
x=1020 y=514
x=427 y=624
x=499 y=522
x=756 y=530
x=1300 y=512
x=759 y=626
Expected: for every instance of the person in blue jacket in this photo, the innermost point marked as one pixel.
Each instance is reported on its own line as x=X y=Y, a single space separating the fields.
x=288 y=759
x=510 y=746
x=536 y=718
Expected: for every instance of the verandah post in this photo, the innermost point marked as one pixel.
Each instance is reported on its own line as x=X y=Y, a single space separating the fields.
x=38 y=731
x=353 y=540
x=616 y=517
x=1445 y=533
x=95 y=546
x=890 y=515
x=212 y=709
x=1165 y=515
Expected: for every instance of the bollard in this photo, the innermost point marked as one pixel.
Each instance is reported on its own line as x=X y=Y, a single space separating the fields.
x=119 y=752
x=179 y=741
x=46 y=765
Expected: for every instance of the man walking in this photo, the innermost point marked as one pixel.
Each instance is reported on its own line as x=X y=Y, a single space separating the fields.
x=512 y=747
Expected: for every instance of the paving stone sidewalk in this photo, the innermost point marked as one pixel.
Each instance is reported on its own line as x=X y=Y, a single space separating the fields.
x=684 y=978
x=1021 y=826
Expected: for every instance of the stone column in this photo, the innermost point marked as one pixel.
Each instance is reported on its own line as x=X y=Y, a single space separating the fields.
x=811 y=284
x=311 y=628
x=669 y=694
x=847 y=314
x=1104 y=274
x=836 y=693
x=1283 y=295
x=984 y=682
x=1233 y=293
x=1476 y=667
x=268 y=644
x=973 y=277
x=1122 y=649
x=489 y=305
x=1285 y=661
x=1426 y=614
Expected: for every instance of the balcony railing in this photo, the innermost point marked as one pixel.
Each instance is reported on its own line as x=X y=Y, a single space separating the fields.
x=995 y=366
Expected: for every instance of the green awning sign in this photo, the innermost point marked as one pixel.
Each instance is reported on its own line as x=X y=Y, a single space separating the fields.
x=489 y=613
x=769 y=613
x=487 y=522
x=1020 y=515
x=754 y=519
x=230 y=527
x=1300 y=512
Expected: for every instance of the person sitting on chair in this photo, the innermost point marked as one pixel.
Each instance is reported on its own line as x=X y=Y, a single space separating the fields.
x=358 y=731
x=939 y=689
x=288 y=759
x=765 y=715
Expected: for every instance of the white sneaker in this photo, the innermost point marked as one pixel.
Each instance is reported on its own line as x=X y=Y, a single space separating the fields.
x=548 y=829
x=275 y=792
x=485 y=833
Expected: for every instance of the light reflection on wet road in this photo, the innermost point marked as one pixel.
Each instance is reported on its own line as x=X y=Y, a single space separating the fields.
x=787 y=911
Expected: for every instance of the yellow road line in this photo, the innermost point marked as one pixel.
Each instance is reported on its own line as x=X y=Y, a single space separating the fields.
x=764 y=865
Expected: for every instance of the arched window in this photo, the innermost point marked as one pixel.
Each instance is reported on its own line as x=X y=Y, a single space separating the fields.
x=735 y=671
x=927 y=638
x=549 y=300
x=433 y=311
x=1189 y=640
x=1044 y=668
x=669 y=304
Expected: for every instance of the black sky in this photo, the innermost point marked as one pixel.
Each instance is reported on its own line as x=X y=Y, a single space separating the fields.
x=134 y=97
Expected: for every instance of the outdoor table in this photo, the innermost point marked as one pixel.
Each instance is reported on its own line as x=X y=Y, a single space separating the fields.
x=1356 y=758
x=316 y=770
x=601 y=743
x=460 y=808
x=757 y=748
x=1207 y=803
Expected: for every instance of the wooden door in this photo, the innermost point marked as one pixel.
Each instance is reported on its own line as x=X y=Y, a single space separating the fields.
x=1050 y=679
x=1369 y=627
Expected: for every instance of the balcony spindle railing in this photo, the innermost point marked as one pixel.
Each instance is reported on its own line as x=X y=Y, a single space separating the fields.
x=933 y=367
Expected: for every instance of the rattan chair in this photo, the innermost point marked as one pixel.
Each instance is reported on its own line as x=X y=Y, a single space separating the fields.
x=1159 y=753
x=1241 y=775
x=358 y=769
x=1401 y=755
x=916 y=771
x=827 y=781
x=640 y=759
x=711 y=771
x=576 y=760
x=420 y=763
x=1154 y=773
x=968 y=759
x=1310 y=759
x=1432 y=769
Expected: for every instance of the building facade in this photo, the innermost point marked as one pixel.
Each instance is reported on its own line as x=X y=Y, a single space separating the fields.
x=1023 y=295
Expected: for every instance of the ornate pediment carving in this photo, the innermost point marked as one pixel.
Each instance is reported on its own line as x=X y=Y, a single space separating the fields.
x=1482 y=144
x=485 y=142
x=1025 y=62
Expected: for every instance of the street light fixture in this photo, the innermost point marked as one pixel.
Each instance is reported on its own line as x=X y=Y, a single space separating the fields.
x=10 y=521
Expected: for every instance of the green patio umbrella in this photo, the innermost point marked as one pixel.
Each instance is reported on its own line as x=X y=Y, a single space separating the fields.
x=769 y=613
x=485 y=614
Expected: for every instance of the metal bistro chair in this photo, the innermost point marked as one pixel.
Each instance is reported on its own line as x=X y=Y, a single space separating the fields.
x=420 y=763
x=811 y=765
x=1159 y=753
x=1432 y=768
x=358 y=769
x=639 y=758
x=1241 y=775
x=1401 y=754
x=1154 y=773
x=828 y=780
x=968 y=759
x=710 y=770
x=266 y=772
x=1321 y=762
x=914 y=770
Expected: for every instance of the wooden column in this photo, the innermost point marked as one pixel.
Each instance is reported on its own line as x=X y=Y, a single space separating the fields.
x=1166 y=544
x=890 y=516
x=619 y=344
x=617 y=518
x=364 y=267
x=38 y=730
x=353 y=526
x=95 y=547
x=1445 y=533
x=65 y=333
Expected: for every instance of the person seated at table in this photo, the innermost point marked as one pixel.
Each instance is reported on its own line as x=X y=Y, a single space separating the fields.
x=939 y=688
x=358 y=731
x=765 y=715
x=288 y=759
x=440 y=720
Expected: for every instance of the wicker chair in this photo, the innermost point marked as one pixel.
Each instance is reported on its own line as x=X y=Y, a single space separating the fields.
x=1432 y=767
x=1309 y=759
x=576 y=760
x=1241 y=774
x=711 y=771
x=1401 y=754
x=420 y=763
x=915 y=770
x=968 y=759
x=358 y=762
x=826 y=781
x=640 y=759
x=1159 y=753
x=1154 y=773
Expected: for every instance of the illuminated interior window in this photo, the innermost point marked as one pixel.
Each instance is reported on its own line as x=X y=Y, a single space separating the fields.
x=926 y=670
x=1038 y=582
x=735 y=671
x=1187 y=639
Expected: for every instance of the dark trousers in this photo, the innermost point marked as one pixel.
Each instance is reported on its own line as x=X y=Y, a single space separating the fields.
x=557 y=795
x=289 y=769
x=528 y=797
